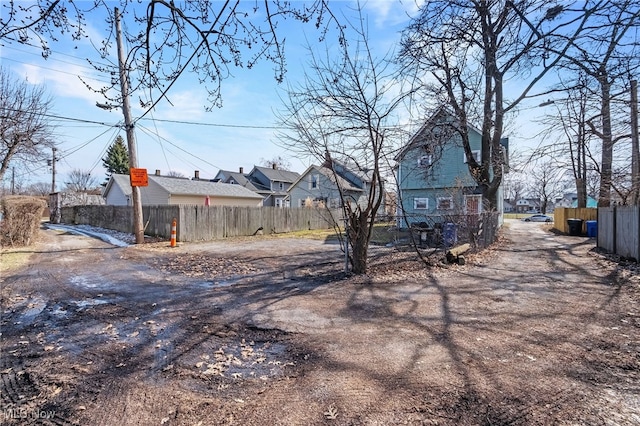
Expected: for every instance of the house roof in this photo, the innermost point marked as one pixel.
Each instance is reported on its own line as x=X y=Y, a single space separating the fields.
x=181 y=186
x=120 y=180
x=278 y=175
x=416 y=138
x=342 y=182
x=245 y=180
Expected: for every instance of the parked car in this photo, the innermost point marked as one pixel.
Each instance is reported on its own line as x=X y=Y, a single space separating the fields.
x=538 y=218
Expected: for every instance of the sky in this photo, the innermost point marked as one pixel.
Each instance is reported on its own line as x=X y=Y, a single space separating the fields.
x=180 y=135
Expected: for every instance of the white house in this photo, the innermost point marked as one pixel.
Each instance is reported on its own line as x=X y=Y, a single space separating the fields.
x=163 y=190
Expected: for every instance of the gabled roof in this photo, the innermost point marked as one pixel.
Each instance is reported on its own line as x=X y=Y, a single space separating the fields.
x=121 y=181
x=277 y=175
x=437 y=115
x=341 y=182
x=202 y=187
x=244 y=180
x=181 y=186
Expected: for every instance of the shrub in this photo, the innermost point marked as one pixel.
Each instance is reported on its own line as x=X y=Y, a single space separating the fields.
x=20 y=219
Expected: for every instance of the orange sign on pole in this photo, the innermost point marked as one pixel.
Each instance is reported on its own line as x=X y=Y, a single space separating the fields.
x=138 y=177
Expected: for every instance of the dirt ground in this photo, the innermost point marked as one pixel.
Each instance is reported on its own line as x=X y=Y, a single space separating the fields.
x=540 y=329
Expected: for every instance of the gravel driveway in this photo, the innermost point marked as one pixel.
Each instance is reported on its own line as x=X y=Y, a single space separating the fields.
x=540 y=329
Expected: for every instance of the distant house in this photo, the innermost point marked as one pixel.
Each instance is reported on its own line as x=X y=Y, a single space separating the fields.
x=270 y=182
x=432 y=172
x=528 y=205
x=507 y=206
x=570 y=200
x=163 y=190
x=323 y=185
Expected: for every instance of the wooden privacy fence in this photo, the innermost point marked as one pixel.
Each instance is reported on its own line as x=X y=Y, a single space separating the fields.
x=561 y=215
x=619 y=230
x=203 y=223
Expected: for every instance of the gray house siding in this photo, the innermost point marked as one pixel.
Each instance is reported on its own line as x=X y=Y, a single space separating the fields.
x=314 y=186
x=118 y=191
x=116 y=197
x=163 y=190
x=154 y=194
x=318 y=184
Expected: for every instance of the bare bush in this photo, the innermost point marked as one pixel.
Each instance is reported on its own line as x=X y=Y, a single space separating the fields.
x=20 y=220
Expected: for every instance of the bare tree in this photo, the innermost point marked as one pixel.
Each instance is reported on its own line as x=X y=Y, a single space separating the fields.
x=81 y=181
x=463 y=52
x=26 y=134
x=571 y=115
x=607 y=53
x=39 y=189
x=547 y=182
x=343 y=114
x=167 y=38
x=174 y=173
x=515 y=180
x=278 y=162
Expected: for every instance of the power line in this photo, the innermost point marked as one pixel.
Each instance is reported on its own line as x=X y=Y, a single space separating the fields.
x=234 y=126
x=149 y=132
x=82 y=64
x=60 y=117
x=56 y=70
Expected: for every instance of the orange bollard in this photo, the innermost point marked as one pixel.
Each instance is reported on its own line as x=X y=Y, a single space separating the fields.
x=173 y=232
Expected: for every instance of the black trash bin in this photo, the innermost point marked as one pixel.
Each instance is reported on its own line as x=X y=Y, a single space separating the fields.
x=575 y=227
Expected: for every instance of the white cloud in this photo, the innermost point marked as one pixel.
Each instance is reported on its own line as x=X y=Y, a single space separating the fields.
x=387 y=13
x=63 y=84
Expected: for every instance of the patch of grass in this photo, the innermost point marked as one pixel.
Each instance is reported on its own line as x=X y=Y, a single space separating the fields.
x=383 y=233
x=313 y=234
x=10 y=260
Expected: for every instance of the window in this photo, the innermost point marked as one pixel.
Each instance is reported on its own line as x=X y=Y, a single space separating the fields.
x=473 y=204
x=420 y=203
x=475 y=153
x=425 y=160
x=281 y=185
x=313 y=184
x=445 y=203
x=279 y=202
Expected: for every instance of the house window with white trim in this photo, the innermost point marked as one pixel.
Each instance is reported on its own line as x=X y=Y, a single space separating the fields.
x=313 y=184
x=420 y=203
x=475 y=153
x=425 y=160
x=444 y=203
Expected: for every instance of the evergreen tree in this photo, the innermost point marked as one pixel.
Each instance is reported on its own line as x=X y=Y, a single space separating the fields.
x=117 y=158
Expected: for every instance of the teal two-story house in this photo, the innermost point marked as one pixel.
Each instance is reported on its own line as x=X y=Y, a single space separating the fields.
x=434 y=182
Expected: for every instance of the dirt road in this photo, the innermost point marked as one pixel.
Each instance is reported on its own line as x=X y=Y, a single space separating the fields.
x=538 y=330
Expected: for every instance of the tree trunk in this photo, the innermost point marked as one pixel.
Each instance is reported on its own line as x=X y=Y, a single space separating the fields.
x=358 y=237
x=604 y=197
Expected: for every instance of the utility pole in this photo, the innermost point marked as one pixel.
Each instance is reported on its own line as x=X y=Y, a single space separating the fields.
x=53 y=170
x=138 y=228
x=635 y=145
x=13 y=180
